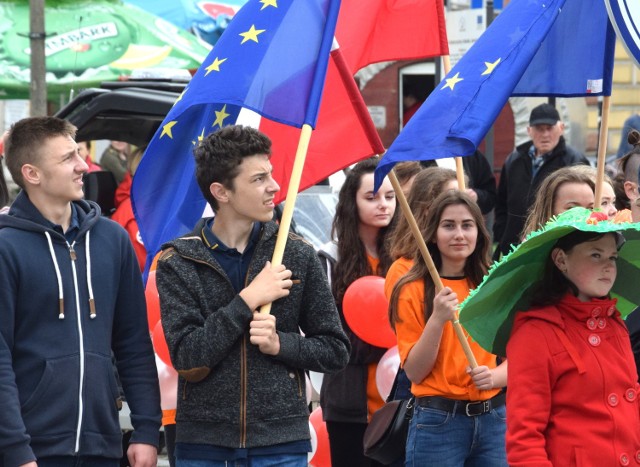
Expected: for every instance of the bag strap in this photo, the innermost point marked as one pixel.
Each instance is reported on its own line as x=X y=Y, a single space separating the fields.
x=394 y=386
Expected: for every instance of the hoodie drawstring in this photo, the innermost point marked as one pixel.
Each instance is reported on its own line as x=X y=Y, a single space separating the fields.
x=92 y=304
x=58 y=276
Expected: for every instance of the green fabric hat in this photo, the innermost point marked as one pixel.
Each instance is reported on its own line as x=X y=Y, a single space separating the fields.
x=489 y=310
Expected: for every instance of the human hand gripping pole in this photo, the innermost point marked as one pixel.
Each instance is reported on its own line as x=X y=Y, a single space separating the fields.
x=433 y=272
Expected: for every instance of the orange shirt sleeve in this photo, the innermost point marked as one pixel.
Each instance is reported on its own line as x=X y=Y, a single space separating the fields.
x=398 y=269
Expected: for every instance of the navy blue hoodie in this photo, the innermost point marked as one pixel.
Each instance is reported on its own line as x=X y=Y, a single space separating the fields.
x=58 y=392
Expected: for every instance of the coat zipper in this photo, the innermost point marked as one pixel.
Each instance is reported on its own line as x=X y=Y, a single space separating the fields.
x=73 y=256
x=243 y=377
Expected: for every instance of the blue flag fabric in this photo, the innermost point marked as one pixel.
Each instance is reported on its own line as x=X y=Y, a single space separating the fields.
x=271 y=59
x=576 y=58
x=521 y=51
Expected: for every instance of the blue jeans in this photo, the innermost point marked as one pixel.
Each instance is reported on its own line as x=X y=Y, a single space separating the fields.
x=284 y=460
x=448 y=439
x=77 y=461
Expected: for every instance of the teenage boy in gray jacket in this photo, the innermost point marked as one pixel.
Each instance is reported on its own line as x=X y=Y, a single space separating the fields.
x=242 y=383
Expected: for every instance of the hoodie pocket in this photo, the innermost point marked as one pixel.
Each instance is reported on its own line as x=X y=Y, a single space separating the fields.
x=100 y=395
x=52 y=408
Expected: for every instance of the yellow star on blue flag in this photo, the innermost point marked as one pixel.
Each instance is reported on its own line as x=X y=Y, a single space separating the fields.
x=490 y=67
x=220 y=116
x=251 y=34
x=451 y=82
x=215 y=65
x=266 y=3
x=166 y=129
x=272 y=60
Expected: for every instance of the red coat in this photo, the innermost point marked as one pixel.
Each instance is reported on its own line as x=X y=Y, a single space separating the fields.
x=572 y=397
x=123 y=215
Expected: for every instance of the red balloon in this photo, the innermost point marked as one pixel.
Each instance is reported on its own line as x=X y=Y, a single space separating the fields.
x=160 y=344
x=322 y=456
x=365 y=309
x=153 y=301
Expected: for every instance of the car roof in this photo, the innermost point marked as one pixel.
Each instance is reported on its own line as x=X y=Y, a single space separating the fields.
x=124 y=111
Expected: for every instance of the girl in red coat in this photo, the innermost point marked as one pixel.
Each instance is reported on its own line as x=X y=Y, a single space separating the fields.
x=573 y=391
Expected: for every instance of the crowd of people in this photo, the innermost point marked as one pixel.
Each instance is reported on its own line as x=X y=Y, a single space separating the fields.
x=75 y=328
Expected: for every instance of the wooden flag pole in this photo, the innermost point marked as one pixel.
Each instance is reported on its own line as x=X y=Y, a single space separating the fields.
x=415 y=230
x=290 y=201
x=460 y=173
x=602 y=148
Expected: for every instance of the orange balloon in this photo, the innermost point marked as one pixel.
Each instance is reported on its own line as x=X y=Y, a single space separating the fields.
x=153 y=301
x=160 y=344
x=322 y=456
x=365 y=309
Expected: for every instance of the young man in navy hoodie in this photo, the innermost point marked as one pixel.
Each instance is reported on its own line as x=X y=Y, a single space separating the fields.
x=242 y=383
x=71 y=295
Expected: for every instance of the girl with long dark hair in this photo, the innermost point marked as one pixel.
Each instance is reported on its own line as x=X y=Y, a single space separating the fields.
x=360 y=226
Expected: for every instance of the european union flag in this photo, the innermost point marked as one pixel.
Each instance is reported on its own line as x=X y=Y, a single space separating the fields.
x=271 y=59
x=534 y=47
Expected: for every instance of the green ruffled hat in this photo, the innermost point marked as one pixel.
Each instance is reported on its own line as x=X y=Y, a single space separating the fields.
x=488 y=312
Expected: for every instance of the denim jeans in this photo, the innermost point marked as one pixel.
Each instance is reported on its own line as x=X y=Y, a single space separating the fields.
x=448 y=439
x=284 y=460
x=77 y=461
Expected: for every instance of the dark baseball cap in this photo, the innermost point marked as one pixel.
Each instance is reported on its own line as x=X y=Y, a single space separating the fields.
x=544 y=114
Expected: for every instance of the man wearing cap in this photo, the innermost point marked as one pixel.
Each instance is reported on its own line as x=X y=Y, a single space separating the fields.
x=525 y=169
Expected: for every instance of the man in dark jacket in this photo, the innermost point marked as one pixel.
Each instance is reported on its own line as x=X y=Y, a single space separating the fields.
x=242 y=380
x=525 y=169
x=71 y=295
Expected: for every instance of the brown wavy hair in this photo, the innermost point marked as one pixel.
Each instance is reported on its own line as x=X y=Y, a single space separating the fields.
x=428 y=184
x=352 y=260
x=542 y=208
x=475 y=267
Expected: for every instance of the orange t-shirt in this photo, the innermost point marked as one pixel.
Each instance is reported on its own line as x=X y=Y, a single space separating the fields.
x=398 y=269
x=448 y=377
x=374 y=400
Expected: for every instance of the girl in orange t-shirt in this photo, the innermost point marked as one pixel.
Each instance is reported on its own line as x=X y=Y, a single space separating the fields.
x=460 y=411
x=360 y=225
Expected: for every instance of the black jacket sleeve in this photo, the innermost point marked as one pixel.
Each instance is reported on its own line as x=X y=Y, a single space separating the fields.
x=482 y=180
